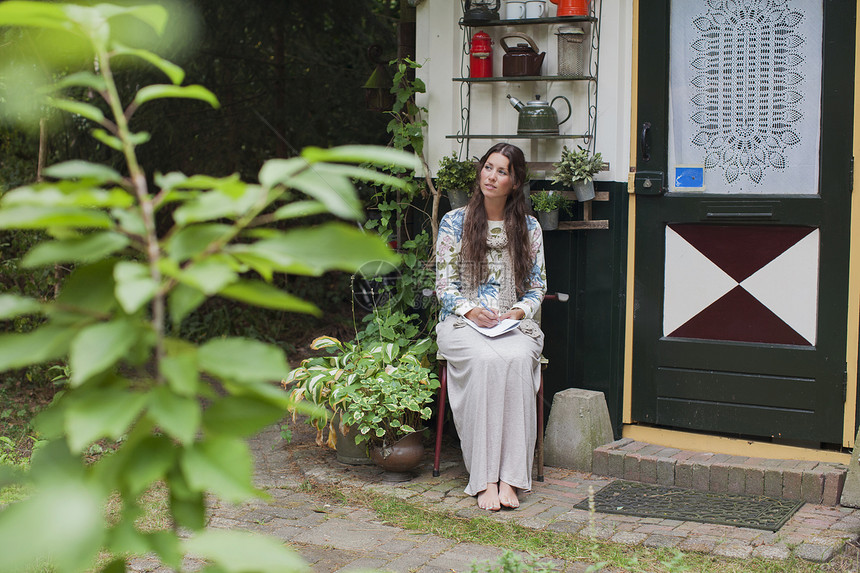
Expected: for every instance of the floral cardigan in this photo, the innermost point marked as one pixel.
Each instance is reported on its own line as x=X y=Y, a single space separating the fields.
x=448 y=283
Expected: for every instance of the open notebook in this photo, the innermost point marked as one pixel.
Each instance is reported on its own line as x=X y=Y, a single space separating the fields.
x=493 y=331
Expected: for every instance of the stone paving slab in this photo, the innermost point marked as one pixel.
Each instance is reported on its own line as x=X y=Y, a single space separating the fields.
x=338 y=538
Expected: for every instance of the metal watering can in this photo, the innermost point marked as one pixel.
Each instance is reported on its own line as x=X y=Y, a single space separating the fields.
x=538 y=117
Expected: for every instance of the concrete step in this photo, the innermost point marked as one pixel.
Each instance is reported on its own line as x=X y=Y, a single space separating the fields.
x=812 y=482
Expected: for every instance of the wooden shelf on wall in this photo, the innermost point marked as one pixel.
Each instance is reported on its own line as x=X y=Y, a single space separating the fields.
x=583 y=225
x=587 y=222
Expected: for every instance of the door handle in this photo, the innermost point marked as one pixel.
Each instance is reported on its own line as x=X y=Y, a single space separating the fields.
x=643 y=140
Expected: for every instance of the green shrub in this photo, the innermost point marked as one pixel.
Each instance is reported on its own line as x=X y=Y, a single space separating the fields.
x=143 y=257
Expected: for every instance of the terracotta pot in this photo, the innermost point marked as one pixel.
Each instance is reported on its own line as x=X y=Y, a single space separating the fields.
x=402 y=456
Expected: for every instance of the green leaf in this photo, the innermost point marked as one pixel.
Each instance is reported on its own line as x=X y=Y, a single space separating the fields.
x=62 y=525
x=124 y=538
x=83 y=80
x=45 y=343
x=85 y=249
x=376 y=155
x=329 y=186
x=267 y=296
x=244 y=552
x=299 y=209
x=240 y=416
x=77 y=169
x=32 y=217
x=99 y=347
x=178 y=416
x=140 y=137
x=259 y=265
x=371 y=175
x=85 y=110
x=277 y=171
x=150 y=462
x=321 y=342
x=178 y=180
x=106 y=138
x=243 y=360
x=335 y=246
x=153 y=14
x=210 y=275
x=130 y=221
x=180 y=369
x=182 y=300
x=101 y=413
x=33 y=14
x=192 y=241
x=220 y=464
x=160 y=91
x=390 y=351
x=68 y=194
x=220 y=203
x=12 y=305
x=171 y=70
x=134 y=285
x=87 y=291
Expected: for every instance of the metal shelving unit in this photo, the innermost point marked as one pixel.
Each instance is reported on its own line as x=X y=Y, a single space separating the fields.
x=464 y=135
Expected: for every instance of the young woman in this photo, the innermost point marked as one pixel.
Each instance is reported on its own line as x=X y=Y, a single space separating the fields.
x=490 y=266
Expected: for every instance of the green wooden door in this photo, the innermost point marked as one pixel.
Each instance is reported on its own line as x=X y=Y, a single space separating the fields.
x=742 y=180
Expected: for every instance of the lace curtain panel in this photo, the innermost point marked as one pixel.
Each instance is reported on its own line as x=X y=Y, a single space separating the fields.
x=745 y=90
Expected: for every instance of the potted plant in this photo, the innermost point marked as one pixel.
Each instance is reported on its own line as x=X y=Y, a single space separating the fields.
x=374 y=391
x=547 y=204
x=456 y=179
x=391 y=401
x=576 y=169
x=323 y=382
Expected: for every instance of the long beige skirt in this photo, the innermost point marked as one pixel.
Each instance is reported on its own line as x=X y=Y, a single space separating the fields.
x=492 y=384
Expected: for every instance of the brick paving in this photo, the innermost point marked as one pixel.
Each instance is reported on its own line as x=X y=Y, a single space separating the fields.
x=339 y=538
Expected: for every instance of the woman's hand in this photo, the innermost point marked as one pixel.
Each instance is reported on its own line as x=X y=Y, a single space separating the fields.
x=483 y=317
x=515 y=313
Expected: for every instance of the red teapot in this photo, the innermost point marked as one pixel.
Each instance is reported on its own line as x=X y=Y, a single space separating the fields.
x=571 y=7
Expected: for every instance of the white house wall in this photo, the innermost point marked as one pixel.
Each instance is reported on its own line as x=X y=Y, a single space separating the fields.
x=440 y=51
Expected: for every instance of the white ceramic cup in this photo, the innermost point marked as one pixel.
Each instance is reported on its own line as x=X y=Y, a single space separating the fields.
x=535 y=8
x=515 y=10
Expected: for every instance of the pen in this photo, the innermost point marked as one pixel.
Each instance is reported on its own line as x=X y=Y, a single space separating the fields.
x=491 y=310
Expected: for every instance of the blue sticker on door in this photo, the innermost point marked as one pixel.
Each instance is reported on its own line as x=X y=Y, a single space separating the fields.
x=689 y=178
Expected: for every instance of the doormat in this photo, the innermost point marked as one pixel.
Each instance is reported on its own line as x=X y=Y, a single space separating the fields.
x=646 y=500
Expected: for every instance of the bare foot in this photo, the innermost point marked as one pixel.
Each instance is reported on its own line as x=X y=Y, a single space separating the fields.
x=508 y=496
x=489 y=498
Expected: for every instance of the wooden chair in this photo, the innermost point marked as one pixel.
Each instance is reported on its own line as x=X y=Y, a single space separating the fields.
x=443 y=396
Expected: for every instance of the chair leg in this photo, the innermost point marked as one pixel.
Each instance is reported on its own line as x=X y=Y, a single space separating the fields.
x=440 y=420
x=540 y=475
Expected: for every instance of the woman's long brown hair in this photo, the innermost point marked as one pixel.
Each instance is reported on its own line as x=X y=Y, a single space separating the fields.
x=475 y=228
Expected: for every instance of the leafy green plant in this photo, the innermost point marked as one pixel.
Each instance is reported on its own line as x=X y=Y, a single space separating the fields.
x=454 y=174
x=393 y=391
x=576 y=166
x=380 y=388
x=547 y=201
x=511 y=562
x=416 y=275
x=322 y=381
x=131 y=379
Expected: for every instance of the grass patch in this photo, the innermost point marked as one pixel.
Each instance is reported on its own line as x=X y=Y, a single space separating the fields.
x=556 y=545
